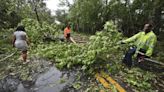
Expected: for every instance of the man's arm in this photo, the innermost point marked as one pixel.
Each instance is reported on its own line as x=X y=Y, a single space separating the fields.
x=65 y=32
x=133 y=38
x=152 y=43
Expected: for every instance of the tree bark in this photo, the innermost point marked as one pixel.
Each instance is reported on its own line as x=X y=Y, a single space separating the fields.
x=36 y=12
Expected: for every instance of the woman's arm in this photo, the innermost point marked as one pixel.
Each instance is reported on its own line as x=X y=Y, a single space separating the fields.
x=27 y=40
x=25 y=37
x=13 y=40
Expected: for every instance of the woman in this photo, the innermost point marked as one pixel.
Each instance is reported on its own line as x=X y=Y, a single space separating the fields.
x=20 y=41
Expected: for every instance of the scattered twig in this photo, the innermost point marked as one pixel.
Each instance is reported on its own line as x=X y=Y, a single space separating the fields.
x=8 y=56
x=72 y=40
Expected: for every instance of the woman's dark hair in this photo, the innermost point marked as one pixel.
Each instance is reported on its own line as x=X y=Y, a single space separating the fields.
x=20 y=28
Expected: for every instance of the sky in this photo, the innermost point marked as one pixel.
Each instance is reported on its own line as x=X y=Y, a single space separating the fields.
x=53 y=5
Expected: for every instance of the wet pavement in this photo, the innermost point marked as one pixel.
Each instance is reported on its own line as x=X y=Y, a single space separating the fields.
x=50 y=80
x=47 y=78
x=9 y=84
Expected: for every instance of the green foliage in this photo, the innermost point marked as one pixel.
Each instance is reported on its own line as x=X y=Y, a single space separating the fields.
x=90 y=15
x=77 y=85
x=68 y=54
x=85 y=15
x=13 y=11
x=159 y=51
x=101 y=46
x=8 y=16
x=139 y=79
x=35 y=32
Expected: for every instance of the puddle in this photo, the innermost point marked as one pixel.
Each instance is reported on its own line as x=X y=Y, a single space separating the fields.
x=45 y=78
x=51 y=81
x=9 y=83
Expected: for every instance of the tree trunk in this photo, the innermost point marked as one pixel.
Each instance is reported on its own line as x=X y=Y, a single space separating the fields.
x=157 y=20
x=37 y=16
x=36 y=12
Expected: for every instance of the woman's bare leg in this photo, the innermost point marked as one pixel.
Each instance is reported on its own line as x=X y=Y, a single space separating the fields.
x=24 y=55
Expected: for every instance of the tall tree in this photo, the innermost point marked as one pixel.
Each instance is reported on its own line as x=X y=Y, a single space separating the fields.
x=86 y=14
x=13 y=11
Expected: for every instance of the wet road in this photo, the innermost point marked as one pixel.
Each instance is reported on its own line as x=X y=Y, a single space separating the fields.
x=51 y=81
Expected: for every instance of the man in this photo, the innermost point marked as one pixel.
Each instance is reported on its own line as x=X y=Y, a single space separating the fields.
x=144 y=43
x=67 y=32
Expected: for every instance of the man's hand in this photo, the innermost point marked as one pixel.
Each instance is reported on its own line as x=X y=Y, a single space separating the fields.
x=141 y=59
x=142 y=56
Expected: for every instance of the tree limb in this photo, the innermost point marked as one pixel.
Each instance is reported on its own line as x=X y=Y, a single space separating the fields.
x=8 y=56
